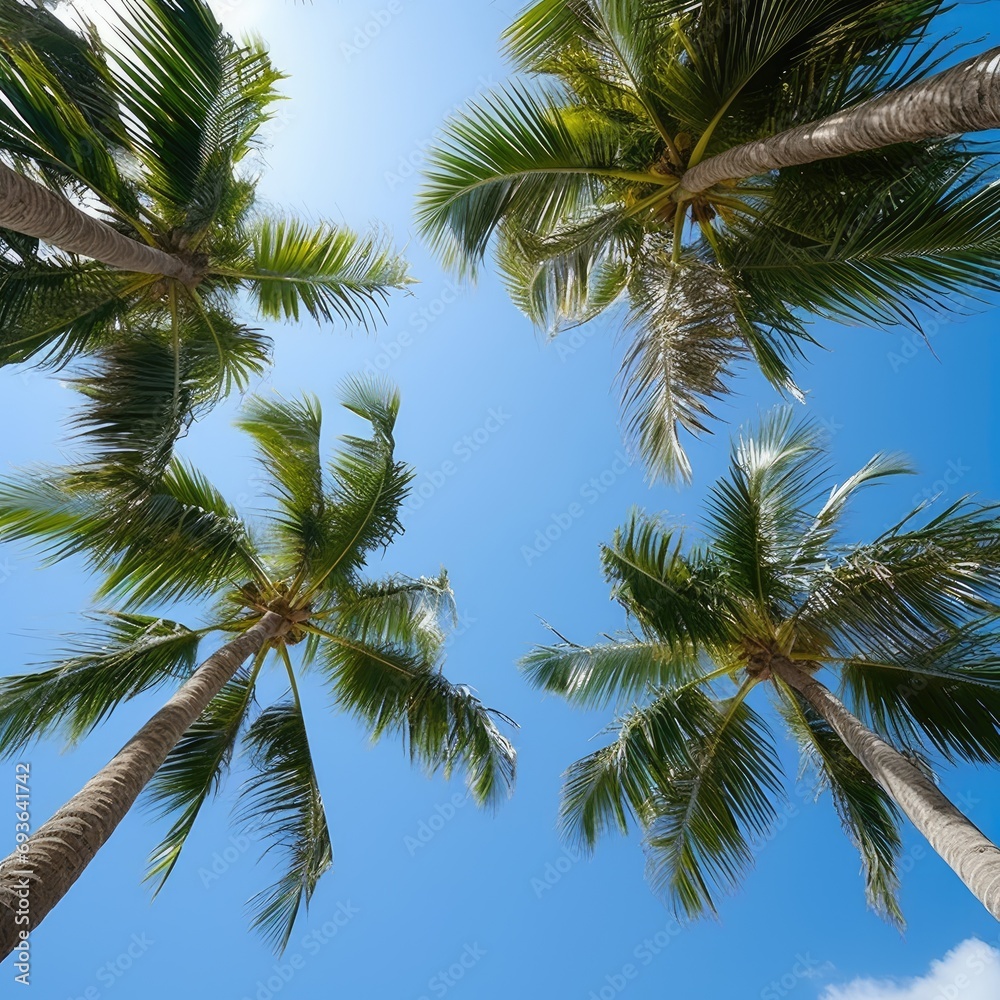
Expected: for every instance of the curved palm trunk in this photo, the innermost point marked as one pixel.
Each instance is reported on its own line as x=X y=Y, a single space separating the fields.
x=974 y=858
x=29 y=208
x=34 y=880
x=965 y=98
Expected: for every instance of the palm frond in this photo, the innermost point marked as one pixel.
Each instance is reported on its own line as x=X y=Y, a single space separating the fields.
x=329 y=271
x=196 y=99
x=59 y=118
x=868 y=815
x=685 y=339
x=194 y=771
x=946 y=693
x=443 y=725
x=620 y=782
x=282 y=802
x=367 y=487
x=518 y=157
x=699 y=840
x=682 y=600
x=909 y=587
x=182 y=540
x=399 y=610
x=759 y=512
x=53 y=310
x=287 y=436
x=594 y=676
x=124 y=656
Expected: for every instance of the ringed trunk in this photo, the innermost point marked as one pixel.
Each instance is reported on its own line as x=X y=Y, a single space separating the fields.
x=29 y=208
x=972 y=856
x=41 y=871
x=965 y=98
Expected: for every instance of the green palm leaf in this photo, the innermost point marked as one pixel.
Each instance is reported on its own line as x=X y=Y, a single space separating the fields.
x=194 y=771
x=868 y=815
x=329 y=271
x=126 y=655
x=945 y=694
x=705 y=816
x=282 y=801
x=443 y=725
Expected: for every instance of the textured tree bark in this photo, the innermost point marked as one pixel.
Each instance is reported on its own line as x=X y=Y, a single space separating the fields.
x=34 y=210
x=35 y=879
x=965 y=98
x=972 y=856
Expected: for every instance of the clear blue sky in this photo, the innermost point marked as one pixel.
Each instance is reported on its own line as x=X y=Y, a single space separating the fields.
x=498 y=892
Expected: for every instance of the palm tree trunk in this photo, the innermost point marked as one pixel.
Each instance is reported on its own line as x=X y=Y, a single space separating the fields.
x=29 y=208
x=965 y=98
x=974 y=858
x=35 y=878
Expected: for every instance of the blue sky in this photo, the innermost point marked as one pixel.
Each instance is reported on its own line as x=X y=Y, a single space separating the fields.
x=428 y=896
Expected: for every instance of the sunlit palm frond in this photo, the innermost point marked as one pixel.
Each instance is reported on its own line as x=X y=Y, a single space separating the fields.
x=912 y=584
x=759 y=511
x=399 y=610
x=329 y=271
x=685 y=340
x=681 y=599
x=519 y=157
x=287 y=436
x=594 y=676
x=366 y=490
x=193 y=98
x=59 y=120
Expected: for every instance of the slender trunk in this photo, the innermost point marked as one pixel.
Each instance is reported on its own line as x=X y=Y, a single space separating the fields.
x=29 y=208
x=973 y=857
x=36 y=876
x=965 y=98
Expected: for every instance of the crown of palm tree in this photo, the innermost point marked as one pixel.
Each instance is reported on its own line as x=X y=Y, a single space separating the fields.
x=377 y=644
x=572 y=173
x=149 y=127
x=906 y=623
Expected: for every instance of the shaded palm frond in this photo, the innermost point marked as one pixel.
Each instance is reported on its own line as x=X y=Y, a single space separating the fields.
x=194 y=771
x=700 y=839
x=124 y=656
x=443 y=725
x=868 y=815
x=282 y=802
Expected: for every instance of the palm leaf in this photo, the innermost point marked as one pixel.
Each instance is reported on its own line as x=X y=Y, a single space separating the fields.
x=515 y=157
x=125 y=656
x=329 y=271
x=593 y=676
x=947 y=694
x=443 y=725
x=194 y=771
x=700 y=838
x=367 y=487
x=868 y=815
x=282 y=801
x=681 y=600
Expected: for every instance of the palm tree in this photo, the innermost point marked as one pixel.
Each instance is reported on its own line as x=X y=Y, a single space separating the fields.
x=585 y=177
x=299 y=583
x=771 y=599
x=133 y=151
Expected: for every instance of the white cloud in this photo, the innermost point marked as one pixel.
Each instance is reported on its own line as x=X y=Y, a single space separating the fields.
x=969 y=972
